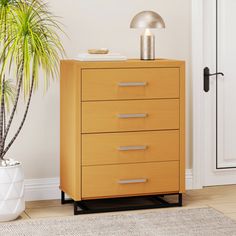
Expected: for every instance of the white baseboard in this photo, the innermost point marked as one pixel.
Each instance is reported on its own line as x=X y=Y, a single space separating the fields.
x=42 y=189
x=189 y=179
x=46 y=189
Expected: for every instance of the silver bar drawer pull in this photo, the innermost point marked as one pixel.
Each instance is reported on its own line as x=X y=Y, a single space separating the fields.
x=132 y=148
x=126 y=116
x=132 y=84
x=132 y=181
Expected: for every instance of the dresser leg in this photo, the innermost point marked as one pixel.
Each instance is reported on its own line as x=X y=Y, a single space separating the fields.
x=75 y=208
x=62 y=197
x=83 y=209
x=64 y=200
x=180 y=199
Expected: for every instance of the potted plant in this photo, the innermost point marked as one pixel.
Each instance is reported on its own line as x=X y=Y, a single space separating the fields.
x=29 y=43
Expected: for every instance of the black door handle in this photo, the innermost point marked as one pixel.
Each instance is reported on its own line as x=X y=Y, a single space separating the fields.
x=206 y=79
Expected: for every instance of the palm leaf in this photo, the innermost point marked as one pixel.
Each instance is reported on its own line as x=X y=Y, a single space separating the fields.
x=9 y=92
x=34 y=35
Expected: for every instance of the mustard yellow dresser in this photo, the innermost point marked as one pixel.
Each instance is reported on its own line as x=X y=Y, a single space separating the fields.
x=122 y=132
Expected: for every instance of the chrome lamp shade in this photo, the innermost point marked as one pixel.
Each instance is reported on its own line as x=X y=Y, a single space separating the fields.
x=147 y=20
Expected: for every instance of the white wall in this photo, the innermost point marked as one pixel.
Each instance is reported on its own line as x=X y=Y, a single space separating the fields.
x=95 y=24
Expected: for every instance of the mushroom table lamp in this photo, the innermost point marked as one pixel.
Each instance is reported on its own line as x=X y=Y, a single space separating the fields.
x=147 y=20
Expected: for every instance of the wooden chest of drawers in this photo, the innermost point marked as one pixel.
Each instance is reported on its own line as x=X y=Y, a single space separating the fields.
x=122 y=128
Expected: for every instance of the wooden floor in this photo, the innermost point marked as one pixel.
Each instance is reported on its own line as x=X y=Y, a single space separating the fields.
x=222 y=198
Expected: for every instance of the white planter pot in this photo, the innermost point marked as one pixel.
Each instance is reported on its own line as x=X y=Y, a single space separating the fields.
x=12 y=202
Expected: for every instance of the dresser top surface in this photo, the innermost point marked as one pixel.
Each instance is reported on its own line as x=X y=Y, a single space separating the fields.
x=131 y=63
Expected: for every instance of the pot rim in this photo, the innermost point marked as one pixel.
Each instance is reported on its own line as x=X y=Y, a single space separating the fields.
x=8 y=167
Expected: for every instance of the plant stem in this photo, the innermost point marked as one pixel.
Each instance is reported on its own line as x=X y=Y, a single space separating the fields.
x=2 y=108
x=4 y=120
x=2 y=144
x=2 y=115
x=23 y=120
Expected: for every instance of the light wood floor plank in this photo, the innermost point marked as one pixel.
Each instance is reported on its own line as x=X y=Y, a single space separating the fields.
x=222 y=198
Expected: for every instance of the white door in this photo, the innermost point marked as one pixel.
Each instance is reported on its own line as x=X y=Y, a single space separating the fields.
x=220 y=101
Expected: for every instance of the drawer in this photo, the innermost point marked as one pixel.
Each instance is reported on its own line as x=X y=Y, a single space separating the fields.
x=118 y=84
x=118 y=148
x=130 y=179
x=116 y=116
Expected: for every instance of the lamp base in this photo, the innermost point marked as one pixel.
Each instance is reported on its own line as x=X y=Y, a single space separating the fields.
x=147 y=46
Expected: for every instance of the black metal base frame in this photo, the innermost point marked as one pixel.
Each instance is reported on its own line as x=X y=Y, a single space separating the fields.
x=156 y=201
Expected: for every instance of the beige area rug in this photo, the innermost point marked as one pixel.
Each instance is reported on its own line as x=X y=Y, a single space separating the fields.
x=171 y=222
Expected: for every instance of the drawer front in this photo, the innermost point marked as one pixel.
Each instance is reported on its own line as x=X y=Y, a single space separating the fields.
x=118 y=148
x=115 y=116
x=130 y=179
x=117 y=84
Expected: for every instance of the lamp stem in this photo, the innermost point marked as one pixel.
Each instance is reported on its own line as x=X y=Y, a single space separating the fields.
x=147 y=47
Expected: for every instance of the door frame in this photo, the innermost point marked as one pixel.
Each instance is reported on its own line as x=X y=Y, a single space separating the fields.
x=197 y=92
x=198 y=96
